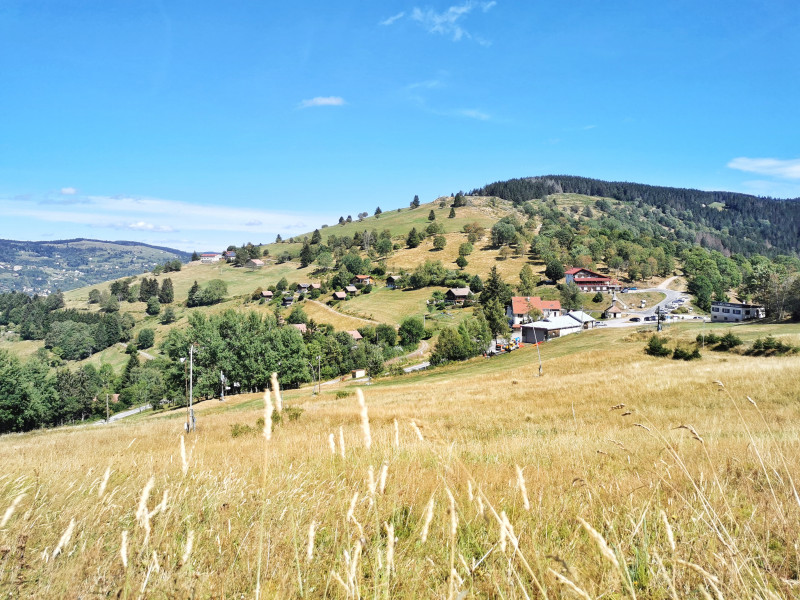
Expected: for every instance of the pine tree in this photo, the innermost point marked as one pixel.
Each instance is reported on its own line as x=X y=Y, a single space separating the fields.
x=496 y=317
x=316 y=237
x=413 y=240
x=452 y=214
x=495 y=289
x=378 y=211
x=194 y=293
x=415 y=202
x=166 y=294
x=527 y=281
x=306 y=255
x=431 y=216
x=195 y=256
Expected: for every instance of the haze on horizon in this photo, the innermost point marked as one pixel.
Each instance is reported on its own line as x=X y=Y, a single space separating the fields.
x=198 y=125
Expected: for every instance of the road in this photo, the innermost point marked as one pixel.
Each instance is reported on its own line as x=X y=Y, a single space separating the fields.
x=342 y=314
x=671 y=295
x=125 y=413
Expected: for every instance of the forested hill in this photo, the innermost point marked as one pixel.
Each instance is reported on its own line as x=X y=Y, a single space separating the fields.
x=43 y=267
x=720 y=220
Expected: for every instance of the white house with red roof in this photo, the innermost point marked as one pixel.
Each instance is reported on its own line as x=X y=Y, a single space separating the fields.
x=519 y=311
x=210 y=257
x=591 y=281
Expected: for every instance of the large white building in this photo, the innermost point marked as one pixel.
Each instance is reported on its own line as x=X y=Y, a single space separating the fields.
x=733 y=312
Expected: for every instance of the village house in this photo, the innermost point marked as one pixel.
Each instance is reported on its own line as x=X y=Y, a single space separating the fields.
x=303 y=287
x=254 y=263
x=339 y=296
x=210 y=257
x=392 y=281
x=351 y=289
x=266 y=294
x=229 y=255
x=301 y=327
x=591 y=281
x=288 y=299
x=519 y=310
x=362 y=279
x=555 y=327
x=457 y=295
x=316 y=286
x=734 y=312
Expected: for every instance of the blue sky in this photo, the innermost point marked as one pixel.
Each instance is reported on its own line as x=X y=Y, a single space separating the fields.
x=197 y=124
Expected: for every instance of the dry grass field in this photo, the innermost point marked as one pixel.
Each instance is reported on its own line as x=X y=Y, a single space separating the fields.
x=613 y=475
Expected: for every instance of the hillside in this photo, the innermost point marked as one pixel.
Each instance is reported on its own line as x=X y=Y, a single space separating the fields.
x=727 y=221
x=44 y=267
x=615 y=473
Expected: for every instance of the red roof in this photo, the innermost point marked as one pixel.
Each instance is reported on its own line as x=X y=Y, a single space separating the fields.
x=522 y=305
x=362 y=277
x=576 y=270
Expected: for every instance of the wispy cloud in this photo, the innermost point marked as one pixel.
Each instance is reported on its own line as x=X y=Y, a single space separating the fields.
x=472 y=113
x=428 y=84
x=146 y=216
x=69 y=191
x=449 y=22
x=785 y=169
x=393 y=18
x=323 y=101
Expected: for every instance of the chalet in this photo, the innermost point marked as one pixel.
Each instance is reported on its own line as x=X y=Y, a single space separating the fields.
x=288 y=299
x=339 y=296
x=254 y=263
x=303 y=287
x=355 y=335
x=392 y=281
x=351 y=289
x=362 y=279
x=301 y=327
x=612 y=312
x=210 y=257
x=266 y=294
x=229 y=255
x=316 y=286
x=733 y=312
x=519 y=310
x=591 y=281
x=457 y=295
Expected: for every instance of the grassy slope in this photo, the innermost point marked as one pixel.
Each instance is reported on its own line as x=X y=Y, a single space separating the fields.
x=726 y=513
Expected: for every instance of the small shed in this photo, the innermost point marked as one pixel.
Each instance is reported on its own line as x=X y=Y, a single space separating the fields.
x=266 y=294
x=612 y=312
x=358 y=373
x=392 y=281
x=355 y=335
x=351 y=289
x=339 y=296
x=301 y=327
x=254 y=263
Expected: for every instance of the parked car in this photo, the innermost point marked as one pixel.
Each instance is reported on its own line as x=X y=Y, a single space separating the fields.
x=635 y=320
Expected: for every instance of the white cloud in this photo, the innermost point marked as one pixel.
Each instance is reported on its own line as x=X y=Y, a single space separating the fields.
x=448 y=22
x=322 y=101
x=472 y=113
x=785 y=169
x=143 y=226
x=69 y=191
x=393 y=18
x=253 y=223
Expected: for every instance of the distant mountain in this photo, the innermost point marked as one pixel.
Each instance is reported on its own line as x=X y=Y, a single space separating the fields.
x=729 y=221
x=44 y=267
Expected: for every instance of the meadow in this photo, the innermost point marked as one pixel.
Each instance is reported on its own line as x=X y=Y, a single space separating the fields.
x=614 y=475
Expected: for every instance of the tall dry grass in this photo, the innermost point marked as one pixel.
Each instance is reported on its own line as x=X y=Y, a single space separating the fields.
x=496 y=490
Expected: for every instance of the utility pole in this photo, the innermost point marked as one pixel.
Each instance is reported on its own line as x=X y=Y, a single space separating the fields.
x=107 y=417
x=319 y=374
x=192 y=422
x=222 y=387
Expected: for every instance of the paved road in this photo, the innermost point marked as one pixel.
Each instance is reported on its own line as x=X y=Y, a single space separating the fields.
x=125 y=413
x=671 y=295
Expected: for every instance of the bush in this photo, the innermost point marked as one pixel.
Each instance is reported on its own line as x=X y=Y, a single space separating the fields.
x=685 y=354
x=729 y=341
x=657 y=346
x=146 y=338
x=343 y=394
x=710 y=339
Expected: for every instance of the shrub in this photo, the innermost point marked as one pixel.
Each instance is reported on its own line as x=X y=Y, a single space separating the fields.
x=657 y=346
x=729 y=341
x=343 y=394
x=711 y=338
x=685 y=354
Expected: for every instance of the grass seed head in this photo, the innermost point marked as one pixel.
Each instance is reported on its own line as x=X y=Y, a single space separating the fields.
x=276 y=389
x=365 y=431
x=10 y=510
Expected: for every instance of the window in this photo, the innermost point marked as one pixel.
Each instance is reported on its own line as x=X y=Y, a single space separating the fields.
x=726 y=310
x=736 y=311
x=715 y=309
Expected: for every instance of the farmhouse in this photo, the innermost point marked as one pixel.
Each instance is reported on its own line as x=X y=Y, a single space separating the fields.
x=266 y=294
x=210 y=257
x=339 y=296
x=591 y=281
x=254 y=263
x=351 y=289
x=520 y=309
x=457 y=295
x=733 y=312
x=288 y=299
x=392 y=281
x=362 y=279
x=229 y=255
x=303 y=287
